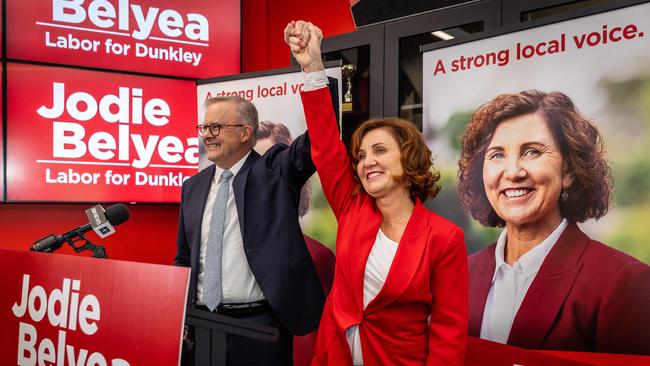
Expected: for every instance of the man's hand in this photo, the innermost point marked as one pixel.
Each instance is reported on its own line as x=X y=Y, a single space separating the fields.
x=304 y=39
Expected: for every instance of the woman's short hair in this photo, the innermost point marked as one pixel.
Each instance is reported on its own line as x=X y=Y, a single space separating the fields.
x=279 y=133
x=419 y=176
x=580 y=143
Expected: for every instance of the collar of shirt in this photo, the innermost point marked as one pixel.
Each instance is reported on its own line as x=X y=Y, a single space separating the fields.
x=233 y=169
x=531 y=261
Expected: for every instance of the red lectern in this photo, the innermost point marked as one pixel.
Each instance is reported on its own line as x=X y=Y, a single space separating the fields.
x=68 y=310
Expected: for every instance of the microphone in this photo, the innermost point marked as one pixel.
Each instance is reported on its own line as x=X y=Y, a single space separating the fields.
x=102 y=222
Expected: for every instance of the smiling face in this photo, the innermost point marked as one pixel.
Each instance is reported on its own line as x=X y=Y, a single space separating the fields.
x=379 y=163
x=233 y=142
x=524 y=173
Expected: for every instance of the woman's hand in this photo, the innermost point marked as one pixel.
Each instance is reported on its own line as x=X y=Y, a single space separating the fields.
x=304 y=39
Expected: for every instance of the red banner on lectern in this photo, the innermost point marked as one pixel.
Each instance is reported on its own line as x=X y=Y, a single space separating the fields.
x=69 y=310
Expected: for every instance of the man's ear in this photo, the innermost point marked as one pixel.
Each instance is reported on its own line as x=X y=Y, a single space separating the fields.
x=246 y=133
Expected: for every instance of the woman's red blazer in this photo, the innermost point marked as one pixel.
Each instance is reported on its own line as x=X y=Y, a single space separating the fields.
x=586 y=297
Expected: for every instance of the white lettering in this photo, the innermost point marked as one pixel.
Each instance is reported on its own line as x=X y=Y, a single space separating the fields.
x=46 y=352
x=72 y=106
x=122 y=103
x=103 y=14
x=89 y=313
x=162 y=180
x=123 y=138
x=71 y=177
x=37 y=293
x=144 y=152
x=26 y=343
x=59 y=297
x=176 y=54
x=156 y=112
x=19 y=310
x=81 y=359
x=126 y=107
x=170 y=149
x=170 y=23
x=38 y=304
x=69 y=11
x=145 y=23
x=58 y=90
x=96 y=359
x=100 y=145
x=61 y=138
x=199 y=30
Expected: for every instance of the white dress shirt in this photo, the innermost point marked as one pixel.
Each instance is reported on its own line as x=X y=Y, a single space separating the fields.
x=510 y=284
x=377 y=267
x=238 y=283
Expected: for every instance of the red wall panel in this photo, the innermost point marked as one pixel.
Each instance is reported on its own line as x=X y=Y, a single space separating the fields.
x=263 y=21
x=148 y=236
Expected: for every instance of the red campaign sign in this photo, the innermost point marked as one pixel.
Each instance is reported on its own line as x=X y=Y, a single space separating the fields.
x=69 y=310
x=196 y=39
x=482 y=352
x=87 y=136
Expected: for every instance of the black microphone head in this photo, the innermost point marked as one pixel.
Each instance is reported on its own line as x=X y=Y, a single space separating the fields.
x=117 y=214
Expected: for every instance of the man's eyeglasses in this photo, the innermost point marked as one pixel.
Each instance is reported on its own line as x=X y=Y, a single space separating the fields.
x=215 y=128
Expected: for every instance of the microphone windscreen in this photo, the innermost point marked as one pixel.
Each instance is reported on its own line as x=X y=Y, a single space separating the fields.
x=117 y=214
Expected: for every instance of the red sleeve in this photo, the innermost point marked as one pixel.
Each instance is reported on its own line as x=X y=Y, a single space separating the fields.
x=327 y=150
x=449 y=288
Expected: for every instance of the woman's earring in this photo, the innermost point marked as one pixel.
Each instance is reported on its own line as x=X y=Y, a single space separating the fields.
x=564 y=196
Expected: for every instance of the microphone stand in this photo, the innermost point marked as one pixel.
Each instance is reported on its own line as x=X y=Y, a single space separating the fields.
x=98 y=250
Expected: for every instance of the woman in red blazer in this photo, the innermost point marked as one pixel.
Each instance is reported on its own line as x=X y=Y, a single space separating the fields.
x=532 y=163
x=400 y=287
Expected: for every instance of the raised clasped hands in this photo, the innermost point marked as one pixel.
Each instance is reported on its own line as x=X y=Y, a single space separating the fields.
x=304 y=40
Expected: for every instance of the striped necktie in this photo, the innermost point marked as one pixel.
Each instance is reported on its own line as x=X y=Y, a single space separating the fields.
x=212 y=290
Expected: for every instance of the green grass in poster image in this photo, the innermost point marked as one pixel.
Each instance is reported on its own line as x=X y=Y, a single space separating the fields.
x=634 y=240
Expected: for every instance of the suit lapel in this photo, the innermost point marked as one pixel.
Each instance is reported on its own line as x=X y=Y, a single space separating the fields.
x=549 y=289
x=239 y=187
x=202 y=189
x=481 y=272
x=406 y=261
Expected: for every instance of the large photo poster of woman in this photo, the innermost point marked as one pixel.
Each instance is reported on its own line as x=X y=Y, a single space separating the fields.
x=541 y=136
